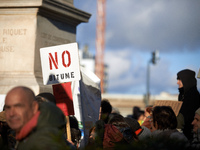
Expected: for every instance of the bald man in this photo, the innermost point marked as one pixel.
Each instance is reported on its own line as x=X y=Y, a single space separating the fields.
x=37 y=126
x=20 y=107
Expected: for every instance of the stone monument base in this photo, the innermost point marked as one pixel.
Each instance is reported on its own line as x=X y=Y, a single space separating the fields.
x=26 y=26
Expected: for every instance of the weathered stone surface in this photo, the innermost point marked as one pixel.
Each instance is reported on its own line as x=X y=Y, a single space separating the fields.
x=26 y=26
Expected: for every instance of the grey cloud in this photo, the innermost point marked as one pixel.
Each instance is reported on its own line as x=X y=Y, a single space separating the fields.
x=166 y=25
x=136 y=27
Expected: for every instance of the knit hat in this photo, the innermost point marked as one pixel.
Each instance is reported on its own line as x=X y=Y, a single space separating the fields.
x=198 y=111
x=133 y=123
x=146 y=133
x=2 y=116
x=46 y=97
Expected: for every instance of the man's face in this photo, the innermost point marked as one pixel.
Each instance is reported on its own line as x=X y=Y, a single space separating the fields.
x=180 y=84
x=196 y=123
x=18 y=110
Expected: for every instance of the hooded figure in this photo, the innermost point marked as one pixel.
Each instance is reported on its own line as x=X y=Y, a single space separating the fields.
x=190 y=97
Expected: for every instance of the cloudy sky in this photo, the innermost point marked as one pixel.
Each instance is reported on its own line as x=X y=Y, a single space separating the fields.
x=136 y=28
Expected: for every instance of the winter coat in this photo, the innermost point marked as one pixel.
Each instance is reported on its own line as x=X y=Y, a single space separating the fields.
x=116 y=137
x=172 y=134
x=190 y=97
x=47 y=134
x=145 y=133
x=195 y=142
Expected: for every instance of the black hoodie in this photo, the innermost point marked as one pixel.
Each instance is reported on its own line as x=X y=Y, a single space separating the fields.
x=190 y=97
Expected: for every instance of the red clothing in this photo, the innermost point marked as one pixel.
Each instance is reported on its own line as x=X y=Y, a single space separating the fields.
x=111 y=136
x=28 y=127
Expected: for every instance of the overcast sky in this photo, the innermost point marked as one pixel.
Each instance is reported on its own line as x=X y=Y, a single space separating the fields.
x=136 y=28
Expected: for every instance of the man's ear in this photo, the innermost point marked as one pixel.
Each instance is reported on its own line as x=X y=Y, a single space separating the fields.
x=35 y=107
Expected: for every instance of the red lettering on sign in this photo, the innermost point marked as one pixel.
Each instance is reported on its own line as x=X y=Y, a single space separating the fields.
x=63 y=59
x=55 y=61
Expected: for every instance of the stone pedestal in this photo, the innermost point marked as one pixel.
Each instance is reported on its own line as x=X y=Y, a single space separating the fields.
x=26 y=26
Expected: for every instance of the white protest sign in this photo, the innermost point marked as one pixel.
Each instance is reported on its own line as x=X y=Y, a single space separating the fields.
x=60 y=63
x=2 y=102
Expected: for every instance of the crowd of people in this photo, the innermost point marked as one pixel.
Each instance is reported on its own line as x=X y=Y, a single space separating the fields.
x=34 y=122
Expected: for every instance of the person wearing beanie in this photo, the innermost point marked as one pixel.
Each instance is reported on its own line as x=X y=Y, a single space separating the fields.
x=141 y=132
x=190 y=97
x=46 y=97
x=195 y=142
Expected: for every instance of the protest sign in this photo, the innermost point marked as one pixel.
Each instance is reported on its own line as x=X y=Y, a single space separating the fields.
x=63 y=96
x=87 y=101
x=60 y=63
x=2 y=102
x=60 y=66
x=175 y=105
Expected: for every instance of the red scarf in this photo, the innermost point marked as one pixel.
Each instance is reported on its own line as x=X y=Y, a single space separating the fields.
x=28 y=127
x=138 y=131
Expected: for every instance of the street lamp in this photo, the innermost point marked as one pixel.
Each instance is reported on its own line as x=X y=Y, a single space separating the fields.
x=153 y=60
x=198 y=76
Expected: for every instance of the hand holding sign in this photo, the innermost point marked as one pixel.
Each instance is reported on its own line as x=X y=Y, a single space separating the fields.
x=60 y=64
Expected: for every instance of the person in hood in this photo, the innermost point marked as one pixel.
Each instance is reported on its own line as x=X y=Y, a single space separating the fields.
x=190 y=97
x=37 y=127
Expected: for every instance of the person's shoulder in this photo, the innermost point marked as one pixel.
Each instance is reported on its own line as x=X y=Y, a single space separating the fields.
x=46 y=138
x=146 y=130
x=178 y=135
x=50 y=116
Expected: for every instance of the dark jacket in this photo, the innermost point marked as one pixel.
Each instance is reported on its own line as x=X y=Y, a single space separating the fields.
x=170 y=134
x=195 y=143
x=48 y=133
x=189 y=95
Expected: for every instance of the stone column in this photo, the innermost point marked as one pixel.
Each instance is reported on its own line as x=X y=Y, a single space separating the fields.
x=25 y=27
